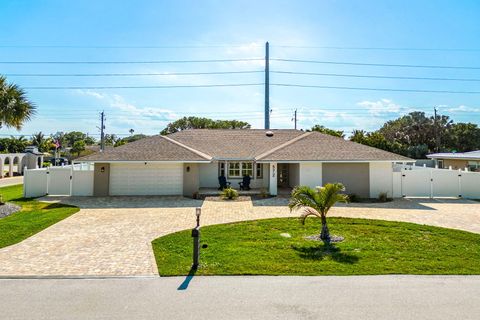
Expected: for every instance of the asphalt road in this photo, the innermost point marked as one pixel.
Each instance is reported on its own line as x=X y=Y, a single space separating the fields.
x=364 y=297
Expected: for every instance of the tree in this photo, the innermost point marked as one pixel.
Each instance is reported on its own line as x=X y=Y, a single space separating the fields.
x=15 y=108
x=78 y=147
x=416 y=129
x=203 y=123
x=60 y=137
x=332 y=132
x=43 y=143
x=13 y=144
x=110 y=139
x=317 y=202
x=463 y=137
x=131 y=131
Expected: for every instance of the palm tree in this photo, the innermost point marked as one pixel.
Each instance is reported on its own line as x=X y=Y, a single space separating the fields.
x=15 y=108
x=317 y=202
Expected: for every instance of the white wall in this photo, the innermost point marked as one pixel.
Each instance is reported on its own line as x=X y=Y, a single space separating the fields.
x=381 y=178
x=311 y=174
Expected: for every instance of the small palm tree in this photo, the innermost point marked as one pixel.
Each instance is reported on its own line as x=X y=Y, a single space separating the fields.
x=15 y=108
x=317 y=202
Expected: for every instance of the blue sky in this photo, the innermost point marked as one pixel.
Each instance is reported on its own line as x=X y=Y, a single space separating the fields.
x=231 y=30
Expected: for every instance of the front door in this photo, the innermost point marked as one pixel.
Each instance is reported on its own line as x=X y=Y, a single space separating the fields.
x=282 y=180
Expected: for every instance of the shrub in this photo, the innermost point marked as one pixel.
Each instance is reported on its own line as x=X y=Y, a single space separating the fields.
x=383 y=197
x=264 y=193
x=229 y=193
x=353 y=197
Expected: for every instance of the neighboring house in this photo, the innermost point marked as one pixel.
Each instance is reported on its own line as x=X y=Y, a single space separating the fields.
x=457 y=160
x=184 y=162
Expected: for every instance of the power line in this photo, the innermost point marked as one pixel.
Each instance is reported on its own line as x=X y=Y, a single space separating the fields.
x=256 y=45
x=127 y=74
x=132 y=62
x=146 y=87
x=375 y=64
x=253 y=84
x=373 y=76
x=372 y=89
x=136 y=47
x=378 y=48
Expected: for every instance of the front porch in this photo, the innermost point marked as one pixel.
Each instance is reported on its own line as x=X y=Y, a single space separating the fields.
x=266 y=178
x=211 y=192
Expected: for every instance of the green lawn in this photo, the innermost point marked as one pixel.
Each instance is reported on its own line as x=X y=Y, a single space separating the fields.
x=34 y=216
x=370 y=247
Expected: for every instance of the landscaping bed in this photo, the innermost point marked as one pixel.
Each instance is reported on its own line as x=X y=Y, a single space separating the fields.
x=279 y=247
x=33 y=217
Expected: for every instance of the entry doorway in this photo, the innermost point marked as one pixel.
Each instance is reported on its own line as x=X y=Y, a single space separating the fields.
x=282 y=177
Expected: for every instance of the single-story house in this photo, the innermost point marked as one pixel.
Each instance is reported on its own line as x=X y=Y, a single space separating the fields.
x=184 y=162
x=457 y=160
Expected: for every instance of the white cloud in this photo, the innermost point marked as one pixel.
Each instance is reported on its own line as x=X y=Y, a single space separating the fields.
x=380 y=106
x=463 y=108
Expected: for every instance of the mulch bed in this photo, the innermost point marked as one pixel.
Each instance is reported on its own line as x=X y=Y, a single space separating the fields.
x=7 y=209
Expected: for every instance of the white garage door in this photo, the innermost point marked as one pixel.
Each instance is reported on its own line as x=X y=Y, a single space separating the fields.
x=146 y=179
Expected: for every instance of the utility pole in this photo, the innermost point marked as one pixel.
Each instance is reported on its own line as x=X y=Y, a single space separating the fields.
x=102 y=131
x=295 y=118
x=267 y=88
x=435 y=131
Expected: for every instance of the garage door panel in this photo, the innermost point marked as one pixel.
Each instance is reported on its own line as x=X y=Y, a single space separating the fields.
x=149 y=179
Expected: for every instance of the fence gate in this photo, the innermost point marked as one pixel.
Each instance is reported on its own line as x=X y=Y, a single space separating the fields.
x=58 y=181
x=431 y=183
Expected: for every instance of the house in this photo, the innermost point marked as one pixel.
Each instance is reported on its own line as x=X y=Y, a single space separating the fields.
x=457 y=160
x=184 y=162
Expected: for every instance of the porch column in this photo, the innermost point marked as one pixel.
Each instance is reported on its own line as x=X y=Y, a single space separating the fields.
x=273 y=179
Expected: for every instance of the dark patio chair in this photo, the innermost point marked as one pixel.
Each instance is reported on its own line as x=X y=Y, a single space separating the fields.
x=245 y=184
x=222 y=181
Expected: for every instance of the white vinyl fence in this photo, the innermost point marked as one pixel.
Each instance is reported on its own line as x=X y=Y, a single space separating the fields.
x=73 y=180
x=411 y=181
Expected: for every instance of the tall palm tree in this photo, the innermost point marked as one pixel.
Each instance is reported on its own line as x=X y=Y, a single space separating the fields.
x=317 y=202
x=15 y=108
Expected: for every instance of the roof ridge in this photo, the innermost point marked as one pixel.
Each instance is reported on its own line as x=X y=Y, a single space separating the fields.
x=283 y=145
x=201 y=154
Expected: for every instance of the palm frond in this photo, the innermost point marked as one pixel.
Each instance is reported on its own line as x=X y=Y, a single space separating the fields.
x=308 y=211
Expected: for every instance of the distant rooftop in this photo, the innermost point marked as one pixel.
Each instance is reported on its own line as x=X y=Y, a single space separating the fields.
x=456 y=155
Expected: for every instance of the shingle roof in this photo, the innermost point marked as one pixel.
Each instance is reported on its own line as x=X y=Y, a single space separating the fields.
x=155 y=148
x=315 y=146
x=233 y=144
x=248 y=144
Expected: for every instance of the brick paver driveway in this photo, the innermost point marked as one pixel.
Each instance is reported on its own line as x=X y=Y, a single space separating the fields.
x=112 y=236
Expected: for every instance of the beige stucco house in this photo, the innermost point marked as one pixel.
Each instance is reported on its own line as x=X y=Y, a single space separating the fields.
x=457 y=160
x=189 y=161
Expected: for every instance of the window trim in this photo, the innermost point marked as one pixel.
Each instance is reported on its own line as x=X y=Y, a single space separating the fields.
x=257 y=167
x=241 y=169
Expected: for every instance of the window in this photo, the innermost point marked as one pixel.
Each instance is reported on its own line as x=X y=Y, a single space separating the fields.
x=440 y=164
x=259 y=170
x=473 y=165
x=221 y=169
x=234 y=169
x=239 y=169
x=247 y=169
